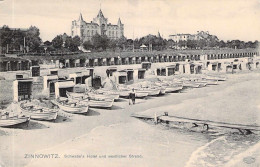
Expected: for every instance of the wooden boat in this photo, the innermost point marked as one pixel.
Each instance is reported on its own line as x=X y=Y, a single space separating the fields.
x=38 y=112
x=96 y=96
x=108 y=103
x=107 y=92
x=98 y=104
x=90 y=95
x=190 y=84
x=212 y=82
x=70 y=107
x=218 y=78
x=171 y=89
x=151 y=92
x=14 y=121
x=141 y=95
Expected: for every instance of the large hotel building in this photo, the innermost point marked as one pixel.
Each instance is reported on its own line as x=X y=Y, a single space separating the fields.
x=99 y=25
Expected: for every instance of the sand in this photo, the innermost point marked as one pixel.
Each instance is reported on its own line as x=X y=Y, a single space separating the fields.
x=127 y=141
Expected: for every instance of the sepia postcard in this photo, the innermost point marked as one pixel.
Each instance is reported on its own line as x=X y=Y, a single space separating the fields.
x=129 y=83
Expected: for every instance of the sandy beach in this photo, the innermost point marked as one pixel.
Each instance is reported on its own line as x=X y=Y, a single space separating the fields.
x=114 y=138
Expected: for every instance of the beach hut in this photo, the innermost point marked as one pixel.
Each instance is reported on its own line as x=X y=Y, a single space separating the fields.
x=22 y=75
x=120 y=77
x=257 y=65
x=170 y=70
x=53 y=71
x=146 y=65
x=139 y=73
x=213 y=66
x=96 y=82
x=110 y=71
x=89 y=71
x=62 y=86
x=130 y=74
x=22 y=89
x=79 y=77
x=47 y=84
x=229 y=68
x=35 y=71
x=160 y=71
x=236 y=65
x=198 y=68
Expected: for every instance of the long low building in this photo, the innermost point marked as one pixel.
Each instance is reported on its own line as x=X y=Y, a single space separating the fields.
x=24 y=62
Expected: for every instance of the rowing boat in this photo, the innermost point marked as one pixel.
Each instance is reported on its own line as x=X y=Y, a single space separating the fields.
x=70 y=107
x=171 y=89
x=14 y=121
x=98 y=104
x=91 y=96
x=37 y=112
x=107 y=103
x=151 y=92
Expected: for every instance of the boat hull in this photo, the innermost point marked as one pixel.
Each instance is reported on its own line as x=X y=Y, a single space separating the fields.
x=14 y=122
x=99 y=104
x=37 y=115
x=150 y=92
x=69 y=109
x=172 y=89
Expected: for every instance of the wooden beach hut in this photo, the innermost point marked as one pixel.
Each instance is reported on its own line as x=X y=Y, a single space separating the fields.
x=111 y=70
x=146 y=65
x=62 y=86
x=47 y=84
x=79 y=77
x=22 y=89
x=53 y=71
x=35 y=71
x=139 y=74
x=120 y=77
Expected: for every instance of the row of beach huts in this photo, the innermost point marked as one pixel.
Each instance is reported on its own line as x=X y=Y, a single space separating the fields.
x=79 y=91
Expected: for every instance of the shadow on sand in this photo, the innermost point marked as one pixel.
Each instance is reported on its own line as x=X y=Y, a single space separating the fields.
x=115 y=107
x=91 y=112
x=121 y=100
x=34 y=125
x=61 y=118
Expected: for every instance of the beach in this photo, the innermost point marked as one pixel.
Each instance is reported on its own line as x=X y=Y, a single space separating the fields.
x=115 y=138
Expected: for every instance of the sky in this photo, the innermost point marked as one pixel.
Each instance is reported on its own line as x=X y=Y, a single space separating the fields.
x=228 y=19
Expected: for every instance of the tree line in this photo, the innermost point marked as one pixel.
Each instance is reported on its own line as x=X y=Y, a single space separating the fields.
x=209 y=44
x=16 y=39
x=19 y=40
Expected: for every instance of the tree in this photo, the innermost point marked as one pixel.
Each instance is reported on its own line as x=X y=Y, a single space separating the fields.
x=57 y=42
x=191 y=44
x=222 y=44
x=5 y=38
x=47 y=43
x=100 y=42
x=33 y=39
x=112 y=44
x=72 y=43
x=121 y=42
x=202 y=43
x=87 y=45
x=182 y=43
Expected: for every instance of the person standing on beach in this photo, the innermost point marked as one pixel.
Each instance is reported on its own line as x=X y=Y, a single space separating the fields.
x=132 y=97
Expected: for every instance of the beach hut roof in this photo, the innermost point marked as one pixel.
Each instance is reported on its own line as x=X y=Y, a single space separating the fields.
x=65 y=84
